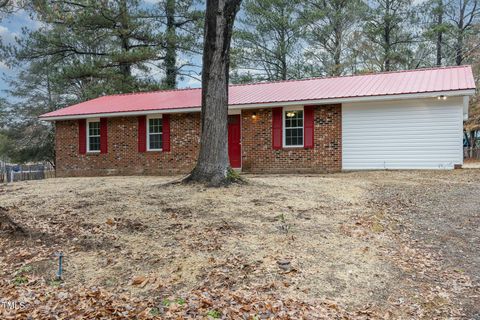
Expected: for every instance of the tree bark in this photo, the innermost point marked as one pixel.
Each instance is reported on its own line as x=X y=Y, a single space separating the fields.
x=125 y=67
x=440 y=11
x=170 y=81
x=386 y=37
x=213 y=166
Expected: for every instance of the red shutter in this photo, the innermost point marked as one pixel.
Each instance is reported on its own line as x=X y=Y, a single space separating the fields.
x=103 y=135
x=277 y=128
x=82 y=136
x=308 y=126
x=166 y=133
x=142 y=133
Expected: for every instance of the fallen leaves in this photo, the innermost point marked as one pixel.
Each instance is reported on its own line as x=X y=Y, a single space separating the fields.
x=139 y=281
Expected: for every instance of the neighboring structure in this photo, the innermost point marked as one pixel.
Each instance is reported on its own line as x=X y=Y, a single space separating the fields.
x=395 y=120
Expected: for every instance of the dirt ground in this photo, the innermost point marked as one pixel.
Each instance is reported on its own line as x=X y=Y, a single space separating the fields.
x=380 y=244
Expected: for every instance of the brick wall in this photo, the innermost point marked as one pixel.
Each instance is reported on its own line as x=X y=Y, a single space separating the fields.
x=257 y=153
x=122 y=157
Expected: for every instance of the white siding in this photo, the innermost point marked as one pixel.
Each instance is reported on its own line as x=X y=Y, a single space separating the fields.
x=409 y=134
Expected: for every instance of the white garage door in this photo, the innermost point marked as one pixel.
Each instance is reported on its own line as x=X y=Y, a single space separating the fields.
x=409 y=134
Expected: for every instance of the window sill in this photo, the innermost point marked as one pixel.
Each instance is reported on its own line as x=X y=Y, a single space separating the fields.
x=93 y=152
x=155 y=150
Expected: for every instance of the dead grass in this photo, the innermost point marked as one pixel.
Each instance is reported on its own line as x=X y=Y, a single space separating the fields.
x=143 y=236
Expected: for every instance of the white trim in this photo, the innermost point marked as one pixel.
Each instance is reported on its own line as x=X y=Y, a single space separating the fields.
x=284 y=127
x=88 y=134
x=466 y=102
x=234 y=112
x=157 y=116
x=451 y=93
x=357 y=99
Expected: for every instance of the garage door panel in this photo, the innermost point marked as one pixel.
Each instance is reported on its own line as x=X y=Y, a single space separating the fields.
x=401 y=135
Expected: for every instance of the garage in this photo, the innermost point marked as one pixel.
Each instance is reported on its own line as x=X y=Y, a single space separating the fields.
x=403 y=134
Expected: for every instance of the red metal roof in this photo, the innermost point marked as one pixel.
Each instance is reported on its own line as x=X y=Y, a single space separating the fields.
x=379 y=84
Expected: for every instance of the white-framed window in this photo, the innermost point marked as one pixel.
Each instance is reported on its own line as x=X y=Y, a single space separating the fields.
x=154 y=133
x=293 y=127
x=93 y=135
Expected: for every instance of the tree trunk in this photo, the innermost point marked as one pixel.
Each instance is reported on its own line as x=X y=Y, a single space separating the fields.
x=337 y=68
x=472 y=142
x=460 y=31
x=125 y=67
x=170 y=81
x=213 y=165
x=439 y=32
x=386 y=36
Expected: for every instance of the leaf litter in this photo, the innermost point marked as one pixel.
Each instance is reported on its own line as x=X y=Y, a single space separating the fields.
x=282 y=247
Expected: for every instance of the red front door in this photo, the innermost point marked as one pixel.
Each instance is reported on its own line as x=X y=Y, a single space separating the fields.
x=234 y=144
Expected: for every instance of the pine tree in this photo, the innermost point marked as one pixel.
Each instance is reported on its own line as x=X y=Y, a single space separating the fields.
x=183 y=23
x=267 y=44
x=332 y=29
x=389 y=34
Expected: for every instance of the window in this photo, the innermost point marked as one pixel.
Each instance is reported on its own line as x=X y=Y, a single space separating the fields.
x=93 y=136
x=154 y=134
x=293 y=128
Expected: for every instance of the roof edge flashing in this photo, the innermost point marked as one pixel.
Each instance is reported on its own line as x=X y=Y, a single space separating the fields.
x=423 y=95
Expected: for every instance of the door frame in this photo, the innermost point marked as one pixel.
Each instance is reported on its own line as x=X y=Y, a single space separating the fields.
x=232 y=113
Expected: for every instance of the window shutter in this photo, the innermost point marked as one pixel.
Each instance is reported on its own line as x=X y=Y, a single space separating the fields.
x=277 y=128
x=142 y=134
x=166 y=133
x=308 y=126
x=103 y=135
x=82 y=136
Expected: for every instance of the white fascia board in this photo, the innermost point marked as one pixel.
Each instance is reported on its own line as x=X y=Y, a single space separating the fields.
x=357 y=99
x=452 y=93
x=121 y=114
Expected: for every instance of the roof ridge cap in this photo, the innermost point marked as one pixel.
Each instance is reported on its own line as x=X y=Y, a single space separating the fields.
x=292 y=80
x=351 y=75
x=146 y=92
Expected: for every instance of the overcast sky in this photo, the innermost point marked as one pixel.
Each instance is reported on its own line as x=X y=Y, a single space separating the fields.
x=9 y=28
x=12 y=26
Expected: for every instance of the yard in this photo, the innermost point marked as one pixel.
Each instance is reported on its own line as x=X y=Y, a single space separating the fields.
x=394 y=244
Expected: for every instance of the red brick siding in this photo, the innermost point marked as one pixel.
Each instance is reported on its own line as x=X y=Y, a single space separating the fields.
x=258 y=155
x=123 y=157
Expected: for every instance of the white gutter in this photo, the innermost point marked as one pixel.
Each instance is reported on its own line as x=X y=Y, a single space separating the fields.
x=469 y=92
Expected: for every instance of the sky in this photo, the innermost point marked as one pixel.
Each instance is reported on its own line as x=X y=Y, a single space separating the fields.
x=11 y=26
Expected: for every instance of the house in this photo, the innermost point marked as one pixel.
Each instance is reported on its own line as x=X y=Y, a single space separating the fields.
x=392 y=120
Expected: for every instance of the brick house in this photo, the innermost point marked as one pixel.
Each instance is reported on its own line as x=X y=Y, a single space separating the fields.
x=394 y=120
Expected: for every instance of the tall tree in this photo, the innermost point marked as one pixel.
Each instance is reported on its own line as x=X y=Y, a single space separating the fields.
x=213 y=165
x=439 y=12
x=463 y=14
x=182 y=25
x=36 y=90
x=389 y=33
x=267 y=44
x=331 y=30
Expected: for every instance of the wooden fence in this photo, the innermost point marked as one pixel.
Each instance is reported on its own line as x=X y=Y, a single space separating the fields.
x=14 y=173
x=471 y=153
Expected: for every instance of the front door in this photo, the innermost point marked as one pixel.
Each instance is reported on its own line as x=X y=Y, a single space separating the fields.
x=234 y=141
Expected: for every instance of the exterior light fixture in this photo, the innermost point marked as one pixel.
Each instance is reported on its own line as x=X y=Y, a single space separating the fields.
x=291 y=114
x=254 y=116
x=442 y=97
